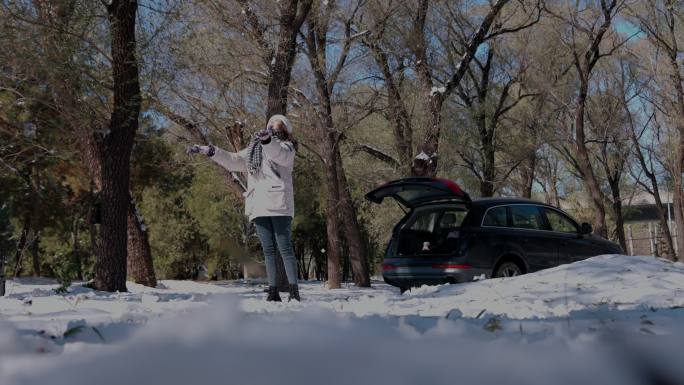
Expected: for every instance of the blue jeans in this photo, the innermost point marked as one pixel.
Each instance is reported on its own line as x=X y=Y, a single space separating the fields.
x=272 y=231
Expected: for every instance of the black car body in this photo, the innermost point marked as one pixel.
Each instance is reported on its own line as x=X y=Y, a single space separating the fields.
x=445 y=237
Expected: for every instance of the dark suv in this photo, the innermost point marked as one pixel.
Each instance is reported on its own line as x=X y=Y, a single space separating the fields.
x=445 y=237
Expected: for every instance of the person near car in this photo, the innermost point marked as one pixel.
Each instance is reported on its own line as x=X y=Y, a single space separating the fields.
x=268 y=161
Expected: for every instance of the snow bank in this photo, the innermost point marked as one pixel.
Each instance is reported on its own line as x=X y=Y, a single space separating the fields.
x=33 y=306
x=619 y=281
x=606 y=320
x=599 y=284
x=226 y=345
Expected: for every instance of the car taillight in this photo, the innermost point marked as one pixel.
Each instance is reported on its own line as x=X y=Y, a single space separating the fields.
x=388 y=266
x=451 y=266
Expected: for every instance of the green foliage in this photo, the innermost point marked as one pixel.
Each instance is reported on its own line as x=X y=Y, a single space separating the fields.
x=220 y=216
x=175 y=238
x=493 y=325
x=308 y=225
x=64 y=269
x=6 y=230
x=72 y=331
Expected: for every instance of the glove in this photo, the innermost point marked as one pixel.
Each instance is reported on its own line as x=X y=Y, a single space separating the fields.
x=264 y=134
x=206 y=150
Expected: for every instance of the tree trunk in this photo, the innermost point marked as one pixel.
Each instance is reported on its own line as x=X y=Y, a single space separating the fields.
x=332 y=215
x=660 y=207
x=115 y=148
x=401 y=121
x=586 y=169
x=678 y=198
x=617 y=211
x=554 y=189
x=21 y=245
x=35 y=254
x=291 y=18
x=352 y=231
x=425 y=162
x=488 y=164
x=92 y=227
x=678 y=161
x=110 y=265
x=665 y=226
x=139 y=260
x=527 y=174
x=655 y=190
x=75 y=250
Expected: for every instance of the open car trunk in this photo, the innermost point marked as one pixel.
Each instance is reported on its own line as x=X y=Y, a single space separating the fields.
x=429 y=231
x=413 y=192
x=432 y=226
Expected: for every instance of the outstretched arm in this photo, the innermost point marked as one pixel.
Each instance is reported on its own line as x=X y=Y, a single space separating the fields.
x=231 y=161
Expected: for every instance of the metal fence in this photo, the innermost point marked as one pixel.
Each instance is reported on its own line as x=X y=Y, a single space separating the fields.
x=647 y=238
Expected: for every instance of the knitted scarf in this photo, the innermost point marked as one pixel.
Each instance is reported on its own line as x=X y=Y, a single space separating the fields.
x=255 y=155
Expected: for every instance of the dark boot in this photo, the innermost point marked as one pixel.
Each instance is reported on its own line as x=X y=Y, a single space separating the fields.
x=273 y=295
x=294 y=293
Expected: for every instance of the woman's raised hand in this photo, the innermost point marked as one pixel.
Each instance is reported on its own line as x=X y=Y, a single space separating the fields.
x=197 y=149
x=264 y=134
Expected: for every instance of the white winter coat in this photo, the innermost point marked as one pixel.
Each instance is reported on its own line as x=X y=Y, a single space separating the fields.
x=268 y=193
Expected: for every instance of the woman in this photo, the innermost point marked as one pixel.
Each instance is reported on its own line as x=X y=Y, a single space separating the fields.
x=269 y=200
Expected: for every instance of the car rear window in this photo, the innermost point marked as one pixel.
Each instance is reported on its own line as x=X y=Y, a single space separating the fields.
x=438 y=220
x=425 y=221
x=495 y=217
x=527 y=217
x=415 y=193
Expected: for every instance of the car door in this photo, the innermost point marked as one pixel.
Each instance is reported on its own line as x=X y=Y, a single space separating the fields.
x=572 y=245
x=541 y=249
x=493 y=238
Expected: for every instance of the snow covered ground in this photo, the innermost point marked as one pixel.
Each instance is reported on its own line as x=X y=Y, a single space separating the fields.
x=607 y=320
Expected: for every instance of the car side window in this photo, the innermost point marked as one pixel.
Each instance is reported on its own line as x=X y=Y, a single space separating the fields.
x=560 y=222
x=495 y=217
x=527 y=217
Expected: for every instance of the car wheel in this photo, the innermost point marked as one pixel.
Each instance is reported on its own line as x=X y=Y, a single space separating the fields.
x=508 y=269
x=404 y=289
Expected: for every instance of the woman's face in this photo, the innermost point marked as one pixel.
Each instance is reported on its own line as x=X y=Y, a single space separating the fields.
x=278 y=126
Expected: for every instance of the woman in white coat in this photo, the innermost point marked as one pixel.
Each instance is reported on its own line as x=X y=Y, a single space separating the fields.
x=269 y=200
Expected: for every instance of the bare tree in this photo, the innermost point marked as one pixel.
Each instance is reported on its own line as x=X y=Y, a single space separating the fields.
x=411 y=20
x=338 y=195
x=608 y=123
x=642 y=131
x=492 y=89
x=425 y=162
x=587 y=28
x=391 y=62
x=661 y=21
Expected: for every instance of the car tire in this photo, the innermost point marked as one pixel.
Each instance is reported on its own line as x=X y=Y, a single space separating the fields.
x=508 y=269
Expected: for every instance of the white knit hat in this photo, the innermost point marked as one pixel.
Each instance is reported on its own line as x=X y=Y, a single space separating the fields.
x=282 y=118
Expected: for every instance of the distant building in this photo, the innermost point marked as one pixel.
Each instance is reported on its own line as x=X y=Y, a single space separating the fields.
x=642 y=224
